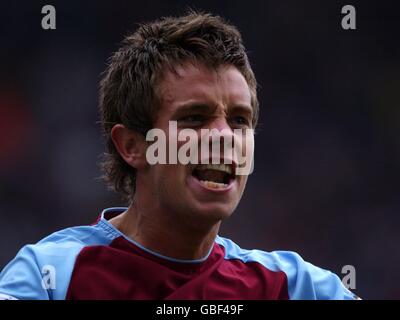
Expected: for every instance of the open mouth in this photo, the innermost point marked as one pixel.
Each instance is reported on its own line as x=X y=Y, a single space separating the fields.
x=214 y=176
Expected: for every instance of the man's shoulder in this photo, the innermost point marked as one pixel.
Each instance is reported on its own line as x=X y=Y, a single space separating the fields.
x=68 y=239
x=274 y=260
x=304 y=280
x=77 y=236
x=52 y=258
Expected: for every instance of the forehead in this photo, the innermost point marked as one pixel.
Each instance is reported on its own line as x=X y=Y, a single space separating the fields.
x=222 y=85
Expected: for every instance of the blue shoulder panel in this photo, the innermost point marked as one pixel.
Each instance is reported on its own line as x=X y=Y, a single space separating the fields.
x=43 y=270
x=305 y=281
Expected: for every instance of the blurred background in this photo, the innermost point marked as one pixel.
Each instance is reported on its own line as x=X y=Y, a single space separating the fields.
x=327 y=162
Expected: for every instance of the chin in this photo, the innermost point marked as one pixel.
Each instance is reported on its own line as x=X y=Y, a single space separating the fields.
x=214 y=212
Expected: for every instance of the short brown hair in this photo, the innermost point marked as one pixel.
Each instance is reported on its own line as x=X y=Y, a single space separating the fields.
x=128 y=89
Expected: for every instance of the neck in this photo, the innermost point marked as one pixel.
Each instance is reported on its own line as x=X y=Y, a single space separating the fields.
x=166 y=234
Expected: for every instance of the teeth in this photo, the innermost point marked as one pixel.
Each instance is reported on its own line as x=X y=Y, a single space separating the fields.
x=218 y=167
x=214 y=185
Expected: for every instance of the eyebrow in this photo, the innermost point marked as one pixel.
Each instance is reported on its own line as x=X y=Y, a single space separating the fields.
x=206 y=108
x=242 y=108
x=194 y=107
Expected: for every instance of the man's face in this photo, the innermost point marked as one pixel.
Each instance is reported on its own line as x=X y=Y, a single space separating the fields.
x=198 y=98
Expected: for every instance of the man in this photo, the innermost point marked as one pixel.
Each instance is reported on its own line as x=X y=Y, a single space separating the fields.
x=191 y=71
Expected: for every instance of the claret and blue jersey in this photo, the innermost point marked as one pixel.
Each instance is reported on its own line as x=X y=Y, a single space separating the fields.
x=99 y=262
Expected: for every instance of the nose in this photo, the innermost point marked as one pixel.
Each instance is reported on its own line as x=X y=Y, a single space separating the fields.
x=220 y=123
x=220 y=138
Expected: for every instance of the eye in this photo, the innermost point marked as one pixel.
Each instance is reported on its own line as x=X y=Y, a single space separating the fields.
x=240 y=121
x=192 y=120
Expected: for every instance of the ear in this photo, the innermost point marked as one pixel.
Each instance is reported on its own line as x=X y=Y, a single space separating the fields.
x=131 y=145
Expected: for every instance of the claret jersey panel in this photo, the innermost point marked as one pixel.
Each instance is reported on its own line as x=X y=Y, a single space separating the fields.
x=99 y=262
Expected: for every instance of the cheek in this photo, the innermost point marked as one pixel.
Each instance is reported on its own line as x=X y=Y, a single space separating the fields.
x=170 y=185
x=171 y=174
x=242 y=183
